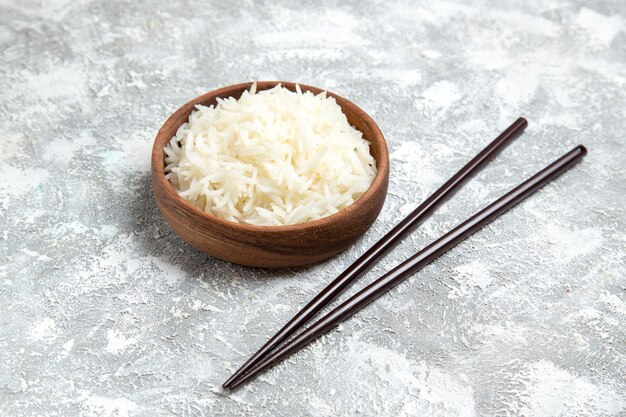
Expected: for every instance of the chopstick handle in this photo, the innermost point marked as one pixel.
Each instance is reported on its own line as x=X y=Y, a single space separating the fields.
x=419 y=260
x=380 y=248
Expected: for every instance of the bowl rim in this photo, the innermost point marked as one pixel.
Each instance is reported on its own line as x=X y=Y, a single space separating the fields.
x=158 y=157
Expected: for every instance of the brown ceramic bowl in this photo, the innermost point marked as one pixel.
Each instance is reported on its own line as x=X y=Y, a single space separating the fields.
x=270 y=246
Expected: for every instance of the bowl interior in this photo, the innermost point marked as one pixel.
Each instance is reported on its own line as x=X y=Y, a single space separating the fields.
x=356 y=117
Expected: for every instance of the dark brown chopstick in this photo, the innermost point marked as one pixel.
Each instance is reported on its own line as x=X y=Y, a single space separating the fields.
x=418 y=261
x=379 y=249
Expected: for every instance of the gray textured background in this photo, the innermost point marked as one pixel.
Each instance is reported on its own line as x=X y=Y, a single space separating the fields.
x=105 y=312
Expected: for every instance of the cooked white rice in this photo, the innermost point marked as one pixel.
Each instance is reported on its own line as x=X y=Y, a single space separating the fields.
x=273 y=157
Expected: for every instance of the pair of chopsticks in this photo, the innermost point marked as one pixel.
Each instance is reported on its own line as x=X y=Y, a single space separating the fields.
x=268 y=355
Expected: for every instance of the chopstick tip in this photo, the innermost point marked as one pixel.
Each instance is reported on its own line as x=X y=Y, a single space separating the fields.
x=233 y=382
x=227 y=388
x=228 y=382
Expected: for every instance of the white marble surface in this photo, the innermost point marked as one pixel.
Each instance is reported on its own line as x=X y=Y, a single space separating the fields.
x=105 y=312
